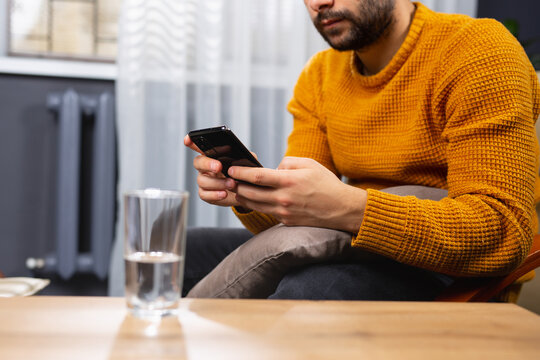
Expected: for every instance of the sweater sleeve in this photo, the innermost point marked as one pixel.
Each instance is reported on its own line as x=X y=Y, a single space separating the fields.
x=308 y=137
x=488 y=97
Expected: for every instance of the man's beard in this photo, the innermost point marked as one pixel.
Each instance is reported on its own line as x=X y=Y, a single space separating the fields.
x=374 y=21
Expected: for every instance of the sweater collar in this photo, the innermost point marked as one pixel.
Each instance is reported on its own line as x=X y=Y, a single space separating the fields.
x=383 y=76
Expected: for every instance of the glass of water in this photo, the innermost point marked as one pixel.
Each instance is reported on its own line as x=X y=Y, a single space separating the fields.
x=154 y=247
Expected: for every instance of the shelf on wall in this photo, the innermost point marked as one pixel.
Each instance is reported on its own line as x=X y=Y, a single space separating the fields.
x=57 y=68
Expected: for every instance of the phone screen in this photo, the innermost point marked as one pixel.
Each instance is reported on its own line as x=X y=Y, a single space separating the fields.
x=221 y=144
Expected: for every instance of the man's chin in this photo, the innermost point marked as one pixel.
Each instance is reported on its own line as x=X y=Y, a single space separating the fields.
x=348 y=44
x=341 y=48
x=339 y=45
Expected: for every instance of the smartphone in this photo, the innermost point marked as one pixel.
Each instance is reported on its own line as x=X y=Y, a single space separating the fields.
x=221 y=144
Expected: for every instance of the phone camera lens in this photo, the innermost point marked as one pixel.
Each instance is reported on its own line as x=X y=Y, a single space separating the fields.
x=204 y=144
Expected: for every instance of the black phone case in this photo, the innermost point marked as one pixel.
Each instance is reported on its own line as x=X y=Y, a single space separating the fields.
x=221 y=144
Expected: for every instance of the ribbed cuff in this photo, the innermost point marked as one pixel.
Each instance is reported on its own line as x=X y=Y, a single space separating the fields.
x=255 y=221
x=383 y=227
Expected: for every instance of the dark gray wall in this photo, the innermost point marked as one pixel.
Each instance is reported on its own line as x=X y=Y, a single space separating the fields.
x=526 y=12
x=28 y=139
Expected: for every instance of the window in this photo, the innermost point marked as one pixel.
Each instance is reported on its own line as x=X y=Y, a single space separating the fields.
x=74 y=29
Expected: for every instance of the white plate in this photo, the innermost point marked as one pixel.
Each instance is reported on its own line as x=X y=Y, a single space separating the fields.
x=21 y=286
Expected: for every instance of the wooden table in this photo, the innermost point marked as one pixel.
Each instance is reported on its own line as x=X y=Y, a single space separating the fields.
x=43 y=327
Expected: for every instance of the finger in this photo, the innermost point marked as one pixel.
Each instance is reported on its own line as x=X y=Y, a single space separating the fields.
x=205 y=164
x=256 y=175
x=291 y=163
x=190 y=144
x=210 y=196
x=212 y=183
x=260 y=194
x=254 y=205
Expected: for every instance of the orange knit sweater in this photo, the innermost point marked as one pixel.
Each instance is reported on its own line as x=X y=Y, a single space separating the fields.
x=454 y=109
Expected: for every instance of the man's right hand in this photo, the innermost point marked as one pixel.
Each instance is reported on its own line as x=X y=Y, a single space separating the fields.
x=214 y=187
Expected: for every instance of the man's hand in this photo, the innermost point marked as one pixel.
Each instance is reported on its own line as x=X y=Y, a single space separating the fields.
x=214 y=188
x=301 y=192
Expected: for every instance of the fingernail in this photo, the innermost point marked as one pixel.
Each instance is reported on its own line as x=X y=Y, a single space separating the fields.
x=229 y=183
x=214 y=166
x=231 y=172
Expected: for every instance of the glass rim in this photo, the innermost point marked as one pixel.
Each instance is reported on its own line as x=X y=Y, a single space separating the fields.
x=155 y=193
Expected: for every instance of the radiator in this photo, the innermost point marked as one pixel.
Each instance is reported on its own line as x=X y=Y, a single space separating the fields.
x=71 y=109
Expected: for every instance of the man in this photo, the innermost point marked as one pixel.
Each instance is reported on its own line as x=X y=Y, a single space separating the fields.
x=406 y=96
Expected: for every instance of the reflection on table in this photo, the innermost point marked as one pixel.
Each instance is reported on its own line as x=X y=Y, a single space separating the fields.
x=101 y=328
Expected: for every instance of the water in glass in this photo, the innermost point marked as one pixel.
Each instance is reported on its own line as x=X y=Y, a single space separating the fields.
x=153 y=282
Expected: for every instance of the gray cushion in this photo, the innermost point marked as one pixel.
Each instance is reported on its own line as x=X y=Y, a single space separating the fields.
x=255 y=268
x=421 y=192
